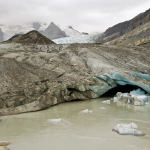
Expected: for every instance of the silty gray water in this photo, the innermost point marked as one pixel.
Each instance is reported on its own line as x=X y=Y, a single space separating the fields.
x=77 y=130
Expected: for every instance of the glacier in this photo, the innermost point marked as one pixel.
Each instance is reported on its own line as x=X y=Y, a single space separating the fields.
x=91 y=38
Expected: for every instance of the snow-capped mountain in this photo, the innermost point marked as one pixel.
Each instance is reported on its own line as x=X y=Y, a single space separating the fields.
x=51 y=31
x=70 y=31
x=11 y=30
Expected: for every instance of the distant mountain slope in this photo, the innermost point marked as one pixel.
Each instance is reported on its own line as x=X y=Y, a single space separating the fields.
x=127 y=26
x=32 y=37
x=140 y=36
x=1 y=35
x=54 y=32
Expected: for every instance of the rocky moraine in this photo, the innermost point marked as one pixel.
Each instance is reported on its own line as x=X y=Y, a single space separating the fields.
x=34 y=77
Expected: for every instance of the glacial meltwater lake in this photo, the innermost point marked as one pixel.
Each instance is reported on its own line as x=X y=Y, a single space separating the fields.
x=77 y=130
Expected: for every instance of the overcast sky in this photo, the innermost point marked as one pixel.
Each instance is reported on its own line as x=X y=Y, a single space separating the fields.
x=82 y=15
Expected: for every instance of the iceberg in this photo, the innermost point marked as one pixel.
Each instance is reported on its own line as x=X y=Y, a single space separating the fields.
x=102 y=108
x=87 y=111
x=54 y=120
x=106 y=102
x=58 y=121
x=128 y=129
x=135 y=97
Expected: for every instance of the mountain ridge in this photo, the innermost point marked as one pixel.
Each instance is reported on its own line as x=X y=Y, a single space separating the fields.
x=32 y=37
x=124 y=27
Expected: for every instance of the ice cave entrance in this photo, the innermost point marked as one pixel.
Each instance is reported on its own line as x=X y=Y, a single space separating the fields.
x=121 y=88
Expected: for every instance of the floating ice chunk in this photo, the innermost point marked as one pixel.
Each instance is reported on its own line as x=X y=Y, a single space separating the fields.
x=54 y=120
x=128 y=129
x=58 y=121
x=87 y=111
x=102 y=108
x=137 y=92
x=135 y=97
x=146 y=103
x=138 y=103
x=126 y=94
x=106 y=102
x=115 y=99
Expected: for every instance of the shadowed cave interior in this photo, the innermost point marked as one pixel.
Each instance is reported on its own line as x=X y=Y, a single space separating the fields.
x=123 y=89
x=112 y=92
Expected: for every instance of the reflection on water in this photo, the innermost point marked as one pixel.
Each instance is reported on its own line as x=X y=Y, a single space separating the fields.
x=72 y=129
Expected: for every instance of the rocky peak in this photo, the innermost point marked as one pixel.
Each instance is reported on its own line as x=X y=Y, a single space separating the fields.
x=54 y=32
x=36 y=25
x=70 y=27
x=1 y=35
x=32 y=37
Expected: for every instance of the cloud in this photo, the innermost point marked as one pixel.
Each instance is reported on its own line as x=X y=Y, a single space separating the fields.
x=83 y=15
